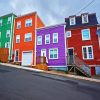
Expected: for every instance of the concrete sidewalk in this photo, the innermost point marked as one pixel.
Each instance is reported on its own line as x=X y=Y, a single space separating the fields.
x=53 y=73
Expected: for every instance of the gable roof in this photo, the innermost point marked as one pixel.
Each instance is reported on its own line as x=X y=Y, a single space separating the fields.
x=91 y=18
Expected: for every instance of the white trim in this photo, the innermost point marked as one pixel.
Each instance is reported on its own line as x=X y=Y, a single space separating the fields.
x=25 y=38
x=57 y=53
x=87 y=52
x=71 y=48
x=34 y=52
x=18 y=25
x=99 y=41
x=41 y=39
x=83 y=18
x=74 y=20
x=58 y=66
x=0 y=34
x=28 y=23
x=69 y=35
x=16 y=38
x=15 y=54
x=56 y=37
x=83 y=37
x=45 y=51
x=46 y=38
x=65 y=45
x=26 y=52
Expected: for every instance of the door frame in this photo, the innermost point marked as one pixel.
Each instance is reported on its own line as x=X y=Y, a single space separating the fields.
x=45 y=51
x=26 y=52
x=68 y=53
x=15 y=55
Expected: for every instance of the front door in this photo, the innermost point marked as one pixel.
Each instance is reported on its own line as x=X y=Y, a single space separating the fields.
x=16 y=55
x=70 y=56
x=43 y=52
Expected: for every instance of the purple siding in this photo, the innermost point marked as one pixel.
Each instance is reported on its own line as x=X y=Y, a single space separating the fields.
x=61 y=61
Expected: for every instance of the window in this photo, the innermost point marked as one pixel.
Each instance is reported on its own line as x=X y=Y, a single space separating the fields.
x=86 y=34
x=55 y=37
x=87 y=52
x=39 y=40
x=7 y=45
x=18 y=25
x=68 y=34
x=17 y=38
x=9 y=20
x=28 y=37
x=85 y=18
x=47 y=39
x=72 y=20
x=28 y=22
x=0 y=34
x=53 y=53
x=8 y=33
x=0 y=22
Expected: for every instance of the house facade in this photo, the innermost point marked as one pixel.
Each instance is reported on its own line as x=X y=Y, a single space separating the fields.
x=24 y=45
x=51 y=43
x=82 y=39
x=6 y=32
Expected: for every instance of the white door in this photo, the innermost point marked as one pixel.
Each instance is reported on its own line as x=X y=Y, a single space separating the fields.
x=27 y=58
x=43 y=52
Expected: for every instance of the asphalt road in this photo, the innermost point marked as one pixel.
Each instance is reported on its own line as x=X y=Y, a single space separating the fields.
x=18 y=84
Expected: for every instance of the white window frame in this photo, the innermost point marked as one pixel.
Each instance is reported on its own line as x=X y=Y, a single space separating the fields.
x=0 y=34
x=54 y=37
x=83 y=36
x=8 y=45
x=83 y=21
x=27 y=22
x=8 y=33
x=9 y=20
x=0 y=22
x=70 y=34
x=17 y=38
x=28 y=37
x=18 y=24
x=87 y=52
x=47 y=38
x=72 y=20
x=40 y=36
x=53 y=54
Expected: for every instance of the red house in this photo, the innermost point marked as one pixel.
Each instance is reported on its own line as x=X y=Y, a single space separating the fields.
x=24 y=44
x=83 y=41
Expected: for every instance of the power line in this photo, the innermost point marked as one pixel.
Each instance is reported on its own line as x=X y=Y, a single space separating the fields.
x=85 y=6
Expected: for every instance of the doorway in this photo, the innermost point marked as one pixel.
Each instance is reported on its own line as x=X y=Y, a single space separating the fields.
x=70 y=56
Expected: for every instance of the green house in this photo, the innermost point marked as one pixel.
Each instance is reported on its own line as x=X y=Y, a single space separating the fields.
x=6 y=32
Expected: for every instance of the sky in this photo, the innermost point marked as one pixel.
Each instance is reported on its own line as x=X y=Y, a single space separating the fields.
x=50 y=11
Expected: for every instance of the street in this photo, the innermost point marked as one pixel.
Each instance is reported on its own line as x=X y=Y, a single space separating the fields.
x=18 y=84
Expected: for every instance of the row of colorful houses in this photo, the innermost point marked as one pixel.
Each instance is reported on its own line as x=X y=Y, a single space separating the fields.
x=27 y=37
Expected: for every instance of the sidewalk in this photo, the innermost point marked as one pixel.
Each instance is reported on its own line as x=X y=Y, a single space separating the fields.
x=53 y=73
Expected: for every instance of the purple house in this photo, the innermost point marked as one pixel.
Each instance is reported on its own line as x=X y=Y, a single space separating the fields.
x=51 y=43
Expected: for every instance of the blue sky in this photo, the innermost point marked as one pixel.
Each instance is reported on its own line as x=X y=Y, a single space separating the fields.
x=50 y=11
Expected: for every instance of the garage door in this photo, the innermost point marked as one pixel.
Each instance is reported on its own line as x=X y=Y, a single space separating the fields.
x=26 y=58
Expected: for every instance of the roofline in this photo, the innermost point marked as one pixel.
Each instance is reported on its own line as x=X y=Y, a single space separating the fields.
x=8 y=15
x=80 y=27
x=26 y=15
x=80 y=15
x=45 y=27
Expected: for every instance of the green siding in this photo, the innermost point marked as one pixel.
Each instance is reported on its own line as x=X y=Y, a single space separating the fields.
x=3 y=29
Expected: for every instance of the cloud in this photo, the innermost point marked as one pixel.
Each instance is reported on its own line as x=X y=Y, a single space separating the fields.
x=50 y=11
